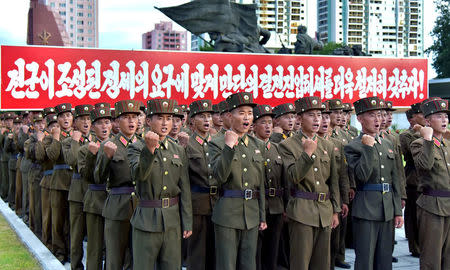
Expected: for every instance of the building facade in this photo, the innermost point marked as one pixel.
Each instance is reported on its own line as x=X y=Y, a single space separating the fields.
x=163 y=37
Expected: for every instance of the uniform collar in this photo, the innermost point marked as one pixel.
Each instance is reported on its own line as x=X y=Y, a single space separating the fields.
x=67 y=134
x=125 y=141
x=244 y=140
x=302 y=135
x=202 y=140
x=438 y=142
x=289 y=134
x=84 y=139
x=164 y=144
x=268 y=145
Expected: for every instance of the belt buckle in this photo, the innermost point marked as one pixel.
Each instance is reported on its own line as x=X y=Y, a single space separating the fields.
x=321 y=197
x=212 y=190
x=165 y=203
x=386 y=187
x=248 y=194
x=272 y=192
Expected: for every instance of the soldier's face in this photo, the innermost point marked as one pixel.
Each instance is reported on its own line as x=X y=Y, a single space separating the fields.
x=419 y=119
x=298 y=123
x=383 y=120
x=217 y=120
x=177 y=122
x=65 y=120
x=388 y=119
x=83 y=124
x=162 y=124
x=370 y=122
x=311 y=121
x=202 y=123
x=39 y=125
x=241 y=119
x=286 y=121
x=263 y=127
x=141 y=120
x=128 y=123
x=438 y=122
x=226 y=119
x=9 y=123
x=325 y=124
x=336 y=117
x=115 y=126
x=52 y=125
x=102 y=128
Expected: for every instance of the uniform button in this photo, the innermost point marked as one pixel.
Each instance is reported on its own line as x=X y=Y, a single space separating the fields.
x=448 y=164
x=134 y=183
x=243 y=155
x=164 y=187
x=269 y=170
x=381 y=154
x=315 y=169
x=343 y=140
x=242 y=143
x=164 y=159
x=382 y=166
x=210 y=176
x=445 y=153
x=313 y=156
x=209 y=165
x=245 y=184
x=268 y=160
x=205 y=144
x=382 y=178
x=270 y=180
x=245 y=169
x=166 y=173
x=132 y=193
x=279 y=157
x=207 y=154
x=317 y=183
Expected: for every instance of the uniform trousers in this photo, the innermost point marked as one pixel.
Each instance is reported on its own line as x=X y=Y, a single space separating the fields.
x=25 y=195
x=200 y=246
x=338 y=242
x=5 y=180
x=46 y=207
x=60 y=223
x=117 y=241
x=95 y=225
x=269 y=243
x=411 y=226
x=77 y=232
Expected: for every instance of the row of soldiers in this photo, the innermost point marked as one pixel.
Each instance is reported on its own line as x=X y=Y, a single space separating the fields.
x=245 y=186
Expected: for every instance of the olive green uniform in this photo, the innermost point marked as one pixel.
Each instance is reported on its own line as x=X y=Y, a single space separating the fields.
x=4 y=164
x=279 y=137
x=432 y=162
x=34 y=189
x=240 y=173
x=25 y=166
x=12 y=155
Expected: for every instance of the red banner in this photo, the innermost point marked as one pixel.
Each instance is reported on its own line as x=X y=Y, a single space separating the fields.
x=37 y=77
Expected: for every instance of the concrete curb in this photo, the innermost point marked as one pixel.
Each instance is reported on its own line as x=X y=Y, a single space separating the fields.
x=29 y=239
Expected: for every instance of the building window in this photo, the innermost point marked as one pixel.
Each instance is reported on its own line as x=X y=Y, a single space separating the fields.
x=80 y=14
x=62 y=5
x=52 y=5
x=89 y=7
x=71 y=34
x=80 y=6
x=80 y=30
x=90 y=23
x=89 y=15
x=62 y=13
x=80 y=22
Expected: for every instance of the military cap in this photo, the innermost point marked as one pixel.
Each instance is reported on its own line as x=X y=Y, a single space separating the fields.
x=199 y=106
x=9 y=115
x=335 y=104
x=389 y=106
x=184 y=107
x=113 y=113
x=98 y=113
x=434 y=106
x=17 y=119
x=283 y=109
x=141 y=105
x=178 y=112
x=223 y=106
x=240 y=99
x=24 y=113
x=409 y=114
x=262 y=110
x=308 y=103
x=126 y=106
x=348 y=107
x=368 y=104
x=326 y=106
x=161 y=106
x=102 y=105
x=81 y=110
x=38 y=117
x=416 y=108
x=62 y=108
x=215 y=108
x=51 y=118
x=48 y=110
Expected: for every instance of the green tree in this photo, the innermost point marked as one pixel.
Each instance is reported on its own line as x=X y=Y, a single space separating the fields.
x=328 y=48
x=207 y=47
x=440 y=49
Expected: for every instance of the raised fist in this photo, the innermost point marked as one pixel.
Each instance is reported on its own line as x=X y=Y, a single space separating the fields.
x=309 y=146
x=426 y=133
x=110 y=149
x=417 y=127
x=151 y=141
x=4 y=130
x=231 y=138
x=56 y=132
x=368 y=140
x=277 y=130
x=76 y=136
x=183 y=138
x=40 y=136
x=25 y=129
x=93 y=147
x=10 y=135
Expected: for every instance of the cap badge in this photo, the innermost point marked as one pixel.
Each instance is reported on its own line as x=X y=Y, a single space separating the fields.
x=291 y=107
x=246 y=97
x=102 y=111
x=175 y=110
x=102 y=105
x=443 y=105
x=86 y=108
x=165 y=104
x=205 y=104
x=338 y=102
x=381 y=103
x=63 y=107
x=130 y=105
x=314 y=102
x=267 y=109
x=374 y=102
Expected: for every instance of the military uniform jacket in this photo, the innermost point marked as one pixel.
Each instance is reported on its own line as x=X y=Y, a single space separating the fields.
x=279 y=137
x=41 y=157
x=11 y=151
x=406 y=138
x=275 y=178
x=394 y=139
x=5 y=155
x=318 y=173
x=61 y=178
x=116 y=172
x=22 y=145
x=163 y=174
x=344 y=183
x=353 y=131
x=374 y=165
x=70 y=150
x=30 y=153
x=200 y=174
x=432 y=160
x=239 y=168
x=93 y=201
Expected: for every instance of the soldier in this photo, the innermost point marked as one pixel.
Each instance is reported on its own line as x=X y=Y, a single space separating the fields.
x=416 y=120
x=238 y=167
x=284 y=122
x=377 y=204
x=112 y=168
x=217 y=120
x=223 y=108
x=430 y=155
x=141 y=120
x=6 y=130
x=25 y=165
x=70 y=147
x=114 y=123
x=345 y=123
x=162 y=184
x=336 y=118
x=44 y=140
x=314 y=205
x=13 y=153
x=274 y=182
x=95 y=196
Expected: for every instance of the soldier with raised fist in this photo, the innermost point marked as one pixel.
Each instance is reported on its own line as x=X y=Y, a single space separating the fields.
x=431 y=158
x=314 y=204
x=377 y=203
x=238 y=166
x=164 y=214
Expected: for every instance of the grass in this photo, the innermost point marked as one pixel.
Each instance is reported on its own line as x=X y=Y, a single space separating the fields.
x=13 y=254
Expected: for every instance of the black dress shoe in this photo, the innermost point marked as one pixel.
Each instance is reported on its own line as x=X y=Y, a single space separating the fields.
x=394 y=259
x=342 y=265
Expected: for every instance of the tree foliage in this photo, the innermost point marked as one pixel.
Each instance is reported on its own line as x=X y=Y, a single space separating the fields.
x=328 y=48
x=440 y=49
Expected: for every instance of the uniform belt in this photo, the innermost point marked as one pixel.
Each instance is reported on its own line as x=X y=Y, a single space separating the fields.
x=437 y=193
x=121 y=190
x=76 y=176
x=212 y=190
x=315 y=196
x=272 y=192
x=247 y=194
x=97 y=187
x=385 y=187
x=163 y=203
x=62 y=167
x=14 y=156
x=48 y=172
x=19 y=155
x=36 y=166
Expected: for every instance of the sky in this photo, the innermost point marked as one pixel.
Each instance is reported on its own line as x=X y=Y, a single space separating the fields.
x=122 y=23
